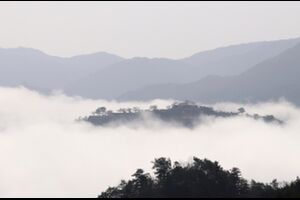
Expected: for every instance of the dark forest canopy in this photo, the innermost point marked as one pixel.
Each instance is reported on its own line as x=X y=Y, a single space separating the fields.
x=199 y=179
x=187 y=114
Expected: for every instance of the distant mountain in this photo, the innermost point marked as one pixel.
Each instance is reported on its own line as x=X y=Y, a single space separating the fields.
x=269 y=80
x=137 y=73
x=37 y=70
x=236 y=59
x=107 y=76
x=128 y=75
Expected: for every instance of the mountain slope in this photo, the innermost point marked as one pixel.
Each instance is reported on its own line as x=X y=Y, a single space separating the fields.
x=37 y=70
x=269 y=80
x=136 y=73
x=102 y=75
x=130 y=75
x=236 y=59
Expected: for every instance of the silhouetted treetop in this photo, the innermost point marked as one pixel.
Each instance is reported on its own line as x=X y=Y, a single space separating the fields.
x=199 y=179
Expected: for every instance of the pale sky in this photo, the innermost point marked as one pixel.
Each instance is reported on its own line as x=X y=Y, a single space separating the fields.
x=148 y=29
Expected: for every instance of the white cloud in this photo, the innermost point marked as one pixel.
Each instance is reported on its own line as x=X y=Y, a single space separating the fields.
x=44 y=153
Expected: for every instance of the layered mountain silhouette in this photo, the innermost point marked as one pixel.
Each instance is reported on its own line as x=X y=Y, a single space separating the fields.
x=37 y=70
x=131 y=74
x=234 y=73
x=271 y=79
x=236 y=59
x=137 y=73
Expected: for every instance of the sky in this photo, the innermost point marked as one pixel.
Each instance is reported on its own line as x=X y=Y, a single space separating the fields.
x=146 y=29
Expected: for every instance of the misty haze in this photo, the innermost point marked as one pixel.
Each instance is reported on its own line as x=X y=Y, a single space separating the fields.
x=150 y=99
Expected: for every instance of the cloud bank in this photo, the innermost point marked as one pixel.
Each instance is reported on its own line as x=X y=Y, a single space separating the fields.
x=45 y=153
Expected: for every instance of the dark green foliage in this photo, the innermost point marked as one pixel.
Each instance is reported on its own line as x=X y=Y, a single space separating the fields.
x=199 y=179
x=291 y=190
x=187 y=114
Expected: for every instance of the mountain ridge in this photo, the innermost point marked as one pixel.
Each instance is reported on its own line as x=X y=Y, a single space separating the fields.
x=139 y=72
x=108 y=76
x=271 y=79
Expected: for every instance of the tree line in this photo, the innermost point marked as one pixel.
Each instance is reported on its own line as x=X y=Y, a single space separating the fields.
x=187 y=114
x=198 y=179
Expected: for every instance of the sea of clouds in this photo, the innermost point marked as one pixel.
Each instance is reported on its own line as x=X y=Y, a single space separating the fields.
x=44 y=152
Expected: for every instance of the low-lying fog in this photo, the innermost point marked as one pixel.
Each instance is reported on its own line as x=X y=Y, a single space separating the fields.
x=45 y=153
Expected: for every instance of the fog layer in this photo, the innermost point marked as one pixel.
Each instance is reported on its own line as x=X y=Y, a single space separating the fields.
x=45 y=153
